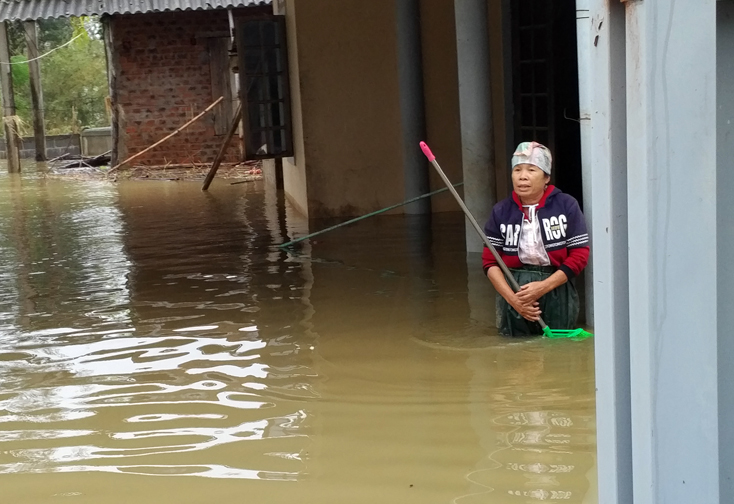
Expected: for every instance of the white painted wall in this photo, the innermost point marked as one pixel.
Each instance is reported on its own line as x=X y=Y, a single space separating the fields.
x=725 y=243
x=658 y=302
x=294 y=168
x=671 y=163
x=608 y=144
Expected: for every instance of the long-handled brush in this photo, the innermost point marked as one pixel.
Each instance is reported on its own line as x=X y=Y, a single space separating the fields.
x=547 y=331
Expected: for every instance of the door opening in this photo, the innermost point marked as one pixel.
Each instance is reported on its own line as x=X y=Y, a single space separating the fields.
x=545 y=85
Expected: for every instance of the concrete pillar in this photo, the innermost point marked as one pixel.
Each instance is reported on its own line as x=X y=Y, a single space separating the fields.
x=475 y=109
x=412 y=112
x=608 y=203
x=671 y=163
x=725 y=243
x=657 y=328
x=583 y=31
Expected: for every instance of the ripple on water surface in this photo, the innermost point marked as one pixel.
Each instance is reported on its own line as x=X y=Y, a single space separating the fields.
x=121 y=350
x=157 y=398
x=149 y=331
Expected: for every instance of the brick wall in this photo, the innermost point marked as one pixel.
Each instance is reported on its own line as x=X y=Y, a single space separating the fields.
x=164 y=79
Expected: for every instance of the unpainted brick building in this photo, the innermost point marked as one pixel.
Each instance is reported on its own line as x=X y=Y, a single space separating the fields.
x=165 y=68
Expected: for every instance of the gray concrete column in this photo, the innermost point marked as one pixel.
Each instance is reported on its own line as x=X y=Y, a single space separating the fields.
x=475 y=109
x=725 y=243
x=671 y=163
x=584 y=44
x=608 y=204
x=412 y=111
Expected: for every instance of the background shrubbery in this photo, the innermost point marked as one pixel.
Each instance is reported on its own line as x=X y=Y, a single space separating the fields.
x=74 y=77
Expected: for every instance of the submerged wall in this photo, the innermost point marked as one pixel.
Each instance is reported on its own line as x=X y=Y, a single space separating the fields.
x=294 y=168
x=348 y=86
x=56 y=145
x=441 y=93
x=345 y=92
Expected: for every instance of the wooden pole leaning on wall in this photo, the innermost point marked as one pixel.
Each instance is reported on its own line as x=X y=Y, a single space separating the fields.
x=179 y=130
x=223 y=149
x=10 y=122
x=34 y=68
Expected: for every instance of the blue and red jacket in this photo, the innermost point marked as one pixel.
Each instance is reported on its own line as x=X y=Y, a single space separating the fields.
x=562 y=226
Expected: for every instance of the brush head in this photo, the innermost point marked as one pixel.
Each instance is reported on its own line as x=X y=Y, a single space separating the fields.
x=576 y=334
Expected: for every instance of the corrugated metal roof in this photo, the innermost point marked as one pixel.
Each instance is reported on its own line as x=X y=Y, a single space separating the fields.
x=44 y=9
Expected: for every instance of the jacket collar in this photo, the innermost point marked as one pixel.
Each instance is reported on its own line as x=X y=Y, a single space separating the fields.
x=548 y=191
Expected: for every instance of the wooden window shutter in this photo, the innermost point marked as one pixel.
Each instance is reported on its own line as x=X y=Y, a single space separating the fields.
x=219 y=68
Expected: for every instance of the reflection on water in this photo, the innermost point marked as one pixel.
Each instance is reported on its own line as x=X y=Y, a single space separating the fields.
x=151 y=331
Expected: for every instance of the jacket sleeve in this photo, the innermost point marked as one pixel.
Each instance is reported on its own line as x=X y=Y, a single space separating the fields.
x=492 y=230
x=577 y=241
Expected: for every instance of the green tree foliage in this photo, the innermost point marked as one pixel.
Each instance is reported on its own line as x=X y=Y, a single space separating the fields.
x=73 y=77
x=51 y=33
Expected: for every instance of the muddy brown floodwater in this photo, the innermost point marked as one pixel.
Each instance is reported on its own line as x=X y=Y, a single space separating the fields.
x=157 y=346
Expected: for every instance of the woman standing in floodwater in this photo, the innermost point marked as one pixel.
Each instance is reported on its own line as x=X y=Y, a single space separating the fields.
x=540 y=233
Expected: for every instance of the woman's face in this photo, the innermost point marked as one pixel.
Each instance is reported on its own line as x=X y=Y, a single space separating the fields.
x=529 y=183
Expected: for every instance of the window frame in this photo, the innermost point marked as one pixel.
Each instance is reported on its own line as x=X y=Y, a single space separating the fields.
x=281 y=46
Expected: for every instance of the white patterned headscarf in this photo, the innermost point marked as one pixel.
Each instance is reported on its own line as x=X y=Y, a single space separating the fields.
x=535 y=154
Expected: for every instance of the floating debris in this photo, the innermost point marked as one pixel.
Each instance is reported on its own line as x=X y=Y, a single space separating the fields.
x=76 y=167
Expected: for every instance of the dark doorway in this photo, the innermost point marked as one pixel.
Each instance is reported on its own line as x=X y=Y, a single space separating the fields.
x=545 y=84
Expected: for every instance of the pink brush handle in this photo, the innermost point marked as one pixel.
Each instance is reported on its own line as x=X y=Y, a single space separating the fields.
x=427 y=151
